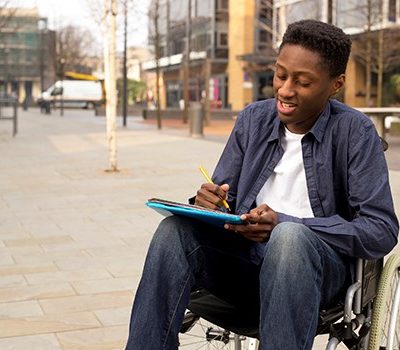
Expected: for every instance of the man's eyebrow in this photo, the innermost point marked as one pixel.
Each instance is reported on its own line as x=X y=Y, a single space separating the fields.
x=307 y=72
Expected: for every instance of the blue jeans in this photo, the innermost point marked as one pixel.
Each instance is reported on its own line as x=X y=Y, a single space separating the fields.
x=286 y=282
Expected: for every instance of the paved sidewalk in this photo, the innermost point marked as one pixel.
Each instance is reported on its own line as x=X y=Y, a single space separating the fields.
x=72 y=236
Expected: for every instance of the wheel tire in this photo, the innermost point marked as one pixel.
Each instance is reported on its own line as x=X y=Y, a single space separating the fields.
x=384 y=302
x=205 y=335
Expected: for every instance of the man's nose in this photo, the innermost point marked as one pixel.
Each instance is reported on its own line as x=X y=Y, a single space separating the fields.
x=286 y=89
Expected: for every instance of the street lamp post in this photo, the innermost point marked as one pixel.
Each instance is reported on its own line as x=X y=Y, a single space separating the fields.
x=7 y=70
x=62 y=62
x=42 y=26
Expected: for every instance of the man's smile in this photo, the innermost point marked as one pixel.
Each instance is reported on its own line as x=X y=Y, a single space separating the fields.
x=286 y=107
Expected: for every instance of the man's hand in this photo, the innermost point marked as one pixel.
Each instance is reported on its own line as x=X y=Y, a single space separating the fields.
x=211 y=195
x=260 y=222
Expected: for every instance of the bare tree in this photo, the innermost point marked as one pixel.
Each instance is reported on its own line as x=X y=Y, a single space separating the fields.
x=127 y=10
x=380 y=55
x=7 y=12
x=109 y=30
x=75 y=45
x=106 y=17
x=186 y=64
x=369 y=53
x=154 y=15
x=378 y=48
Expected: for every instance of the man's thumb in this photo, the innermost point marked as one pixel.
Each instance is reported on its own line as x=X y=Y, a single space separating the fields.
x=225 y=187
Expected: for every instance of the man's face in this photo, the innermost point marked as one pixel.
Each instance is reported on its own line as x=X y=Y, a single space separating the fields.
x=302 y=86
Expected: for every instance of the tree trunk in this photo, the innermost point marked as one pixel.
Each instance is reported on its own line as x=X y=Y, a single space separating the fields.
x=380 y=71
x=380 y=58
x=109 y=27
x=368 y=61
x=186 y=64
x=158 y=54
x=207 y=111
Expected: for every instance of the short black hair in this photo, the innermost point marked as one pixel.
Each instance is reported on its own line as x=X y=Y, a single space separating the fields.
x=329 y=41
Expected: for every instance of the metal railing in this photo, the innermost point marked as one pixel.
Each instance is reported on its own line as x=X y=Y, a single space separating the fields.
x=9 y=111
x=378 y=116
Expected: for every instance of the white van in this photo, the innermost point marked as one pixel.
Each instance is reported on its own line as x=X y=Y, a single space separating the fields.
x=73 y=93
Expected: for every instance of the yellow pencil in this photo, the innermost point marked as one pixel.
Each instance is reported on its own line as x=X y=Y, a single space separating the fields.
x=208 y=178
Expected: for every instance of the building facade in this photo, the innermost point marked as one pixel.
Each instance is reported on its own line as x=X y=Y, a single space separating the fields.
x=239 y=41
x=27 y=54
x=360 y=19
x=208 y=42
x=251 y=53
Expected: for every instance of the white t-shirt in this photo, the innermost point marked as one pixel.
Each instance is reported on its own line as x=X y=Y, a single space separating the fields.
x=286 y=191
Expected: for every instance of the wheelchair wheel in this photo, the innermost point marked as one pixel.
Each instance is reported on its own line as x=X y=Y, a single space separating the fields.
x=205 y=335
x=385 y=325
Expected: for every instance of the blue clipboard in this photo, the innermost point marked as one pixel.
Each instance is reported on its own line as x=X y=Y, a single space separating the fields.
x=210 y=216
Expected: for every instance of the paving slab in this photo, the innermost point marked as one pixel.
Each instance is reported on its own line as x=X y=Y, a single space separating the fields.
x=104 y=338
x=79 y=303
x=33 y=342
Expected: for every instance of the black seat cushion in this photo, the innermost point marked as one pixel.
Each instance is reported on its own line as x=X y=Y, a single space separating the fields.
x=224 y=314
x=240 y=321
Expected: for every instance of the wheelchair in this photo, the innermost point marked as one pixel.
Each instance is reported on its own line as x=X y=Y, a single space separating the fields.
x=368 y=318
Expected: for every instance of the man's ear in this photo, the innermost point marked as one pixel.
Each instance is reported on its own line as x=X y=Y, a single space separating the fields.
x=338 y=84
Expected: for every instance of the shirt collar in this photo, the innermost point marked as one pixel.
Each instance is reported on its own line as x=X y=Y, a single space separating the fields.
x=319 y=127
x=276 y=126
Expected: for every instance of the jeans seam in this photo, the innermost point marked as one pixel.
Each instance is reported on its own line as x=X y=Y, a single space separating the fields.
x=174 y=313
x=316 y=309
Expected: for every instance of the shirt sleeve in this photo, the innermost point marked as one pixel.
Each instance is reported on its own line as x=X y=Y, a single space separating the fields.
x=230 y=163
x=373 y=231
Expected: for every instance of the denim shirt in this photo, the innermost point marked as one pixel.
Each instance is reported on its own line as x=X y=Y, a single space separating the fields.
x=346 y=173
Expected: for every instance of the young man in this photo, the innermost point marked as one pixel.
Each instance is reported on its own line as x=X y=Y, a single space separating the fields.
x=309 y=177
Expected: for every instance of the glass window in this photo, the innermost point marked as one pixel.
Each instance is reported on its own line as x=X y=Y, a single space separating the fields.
x=178 y=11
x=306 y=9
x=177 y=46
x=265 y=12
x=223 y=39
x=203 y=8
x=174 y=93
x=200 y=42
x=223 y=4
x=392 y=10
x=353 y=14
x=265 y=37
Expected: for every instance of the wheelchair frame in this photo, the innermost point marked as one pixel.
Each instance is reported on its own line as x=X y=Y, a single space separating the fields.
x=366 y=317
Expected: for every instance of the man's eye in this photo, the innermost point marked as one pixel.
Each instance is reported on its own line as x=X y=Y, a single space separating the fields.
x=281 y=77
x=304 y=83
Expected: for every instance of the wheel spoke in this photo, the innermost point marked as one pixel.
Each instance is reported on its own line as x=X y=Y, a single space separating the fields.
x=385 y=323
x=218 y=338
x=390 y=332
